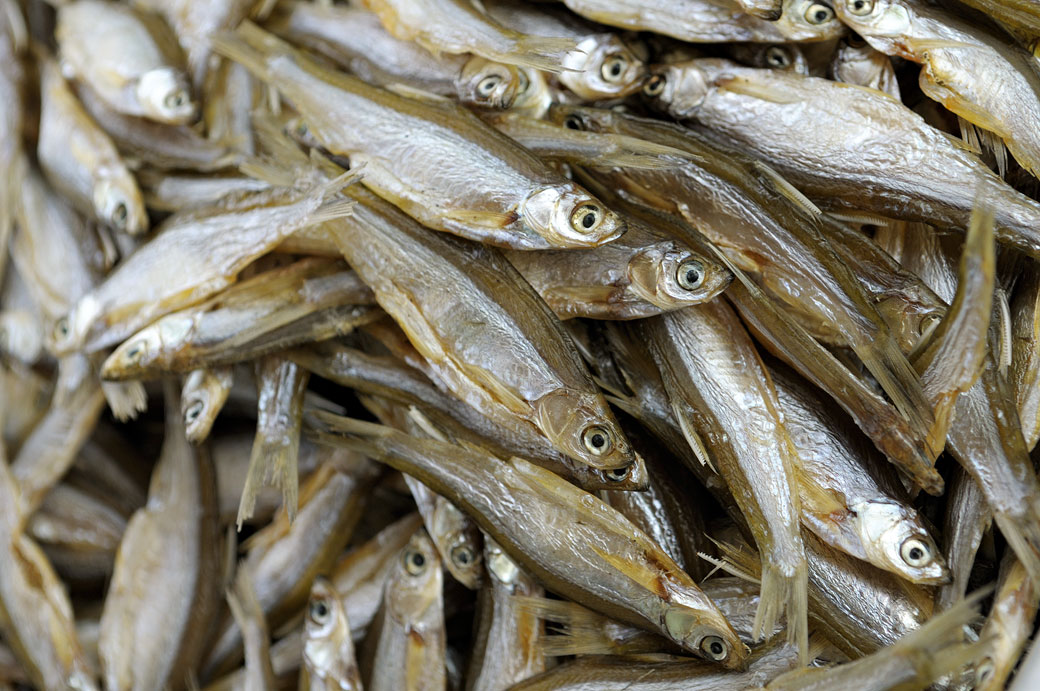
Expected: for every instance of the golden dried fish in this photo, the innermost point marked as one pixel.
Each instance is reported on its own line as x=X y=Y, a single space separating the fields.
x=857 y=62
x=699 y=21
x=537 y=379
x=193 y=255
x=250 y=619
x=204 y=394
x=600 y=67
x=723 y=399
x=954 y=53
x=12 y=42
x=355 y=39
x=46 y=248
x=455 y=536
x=767 y=227
x=488 y=188
x=129 y=58
x=1024 y=374
x=644 y=273
x=310 y=300
x=634 y=673
x=595 y=556
x=936 y=184
x=81 y=160
x=456 y=26
x=329 y=661
x=507 y=645
x=150 y=652
x=195 y=23
x=1009 y=625
x=160 y=145
x=405 y=649
x=35 y=614
x=79 y=532
x=283 y=559
x=848 y=495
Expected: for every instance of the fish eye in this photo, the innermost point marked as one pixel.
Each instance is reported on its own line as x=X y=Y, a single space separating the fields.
x=654 y=85
x=414 y=562
x=586 y=217
x=915 y=552
x=597 y=440
x=778 y=57
x=175 y=99
x=61 y=329
x=319 y=611
x=690 y=274
x=819 y=14
x=984 y=672
x=613 y=68
x=619 y=474
x=928 y=323
x=135 y=351
x=573 y=122
x=714 y=647
x=193 y=412
x=859 y=7
x=119 y=215
x=487 y=85
x=462 y=556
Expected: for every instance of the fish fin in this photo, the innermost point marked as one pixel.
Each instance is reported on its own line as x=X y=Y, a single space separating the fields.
x=1003 y=330
x=745 y=87
x=786 y=189
x=736 y=561
x=979 y=140
x=635 y=570
x=482 y=219
x=271 y=460
x=953 y=357
x=963 y=142
x=331 y=210
x=960 y=106
x=541 y=52
x=416 y=94
x=692 y=438
x=859 y=217
x=125 y=398
x=923 y=45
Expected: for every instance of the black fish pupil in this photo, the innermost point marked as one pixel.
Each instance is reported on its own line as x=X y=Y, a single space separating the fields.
x=716 y=648
x=597 y=439
x=572 y=123
x=418 y=559
x=821 y=15
x=320 y=610
x=692 y=276
x=587 y=221
x=616 y=69
x=916 y=553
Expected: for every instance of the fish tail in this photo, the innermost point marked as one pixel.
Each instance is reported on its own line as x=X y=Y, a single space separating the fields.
x=246 y=48
x=541 y=52
x=270 y=460
x=784 y=593
x=125 y=398
x=1023 y=534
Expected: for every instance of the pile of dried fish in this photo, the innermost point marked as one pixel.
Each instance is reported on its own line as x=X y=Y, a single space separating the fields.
x=438 y=344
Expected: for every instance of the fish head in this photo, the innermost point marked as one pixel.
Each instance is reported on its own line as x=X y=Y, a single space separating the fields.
x=488 y=84
x=415 y=582
x=809 y=20
x=705 y=633
x=147 y=347
x=581 y=426
x=895 y=540
x=669 y=276
x=117 y=201
x=787 y=57
x=202 y=398
x=678 y=90
x=874 y=20
x=464 y=558
x=328 y=651
x=165 y=96
x=568 y=216
x=602 y=67
x=534 y=95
